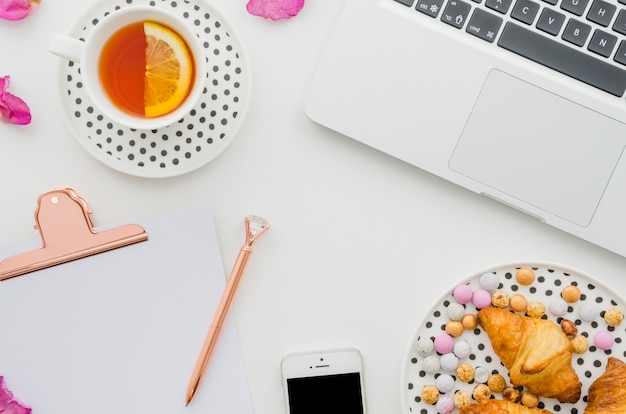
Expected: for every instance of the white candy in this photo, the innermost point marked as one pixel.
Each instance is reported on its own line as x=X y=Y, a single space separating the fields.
x=558 y=307
x=587 y=312
x=455 y=311
x=462 y=349
x=444 y=383
x=481 y=375
x=425 y=346
x=431 y=364
x=449 y=362
x=489 y=281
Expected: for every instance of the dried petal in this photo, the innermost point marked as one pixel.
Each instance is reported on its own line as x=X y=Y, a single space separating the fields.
x=12 y=109
x=274 y=9
x=8 y=403
x=17 y=9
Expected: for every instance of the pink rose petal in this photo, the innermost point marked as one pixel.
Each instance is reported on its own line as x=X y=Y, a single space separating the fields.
x=8 y=403
x=12 y=109
x=274 y=9
x=17 y=9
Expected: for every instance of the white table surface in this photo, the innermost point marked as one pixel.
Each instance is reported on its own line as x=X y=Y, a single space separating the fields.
x=360 y=244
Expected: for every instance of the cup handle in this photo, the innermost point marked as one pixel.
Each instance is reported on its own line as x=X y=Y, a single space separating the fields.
x=66 y=47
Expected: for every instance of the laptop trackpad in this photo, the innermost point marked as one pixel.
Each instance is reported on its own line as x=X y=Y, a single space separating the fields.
x=539 y=148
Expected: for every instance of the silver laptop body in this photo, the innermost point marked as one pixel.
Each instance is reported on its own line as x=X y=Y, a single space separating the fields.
x=454 y=87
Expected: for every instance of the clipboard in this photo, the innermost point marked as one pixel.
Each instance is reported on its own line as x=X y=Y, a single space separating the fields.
x=119 y=330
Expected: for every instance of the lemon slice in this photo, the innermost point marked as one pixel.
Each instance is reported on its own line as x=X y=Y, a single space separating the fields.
x=169 y=70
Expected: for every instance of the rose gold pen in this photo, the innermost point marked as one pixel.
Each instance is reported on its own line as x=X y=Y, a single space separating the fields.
x=255 y=226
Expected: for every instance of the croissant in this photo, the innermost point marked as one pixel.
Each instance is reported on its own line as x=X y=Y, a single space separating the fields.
x=607 y=394
x=501 y=407
x=535 y=351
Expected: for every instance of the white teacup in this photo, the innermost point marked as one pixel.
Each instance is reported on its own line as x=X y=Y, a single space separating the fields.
x=87 y=53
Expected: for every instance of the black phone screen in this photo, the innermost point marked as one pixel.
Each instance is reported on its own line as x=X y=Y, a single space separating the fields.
x=328 y=394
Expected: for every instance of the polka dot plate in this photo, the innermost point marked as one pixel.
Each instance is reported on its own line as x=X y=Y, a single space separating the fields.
x=550 y=280
x=197 y=138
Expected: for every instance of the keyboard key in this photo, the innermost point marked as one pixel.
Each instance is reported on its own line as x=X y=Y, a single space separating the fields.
x=406 y=2
x=620 y=56
x=601 y=12
x=564 y=59
x=456 y=13
x=552 y=2
x=576 y=32
x=620 y=23
x=501 y=6
x=484 y=25
x=525 y=11
x=550 y=21
x=575 y=6
x=602 y=43
x=429 y=7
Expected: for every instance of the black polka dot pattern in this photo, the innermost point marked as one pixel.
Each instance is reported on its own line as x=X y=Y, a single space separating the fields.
x=550 y=281
x=197 y=138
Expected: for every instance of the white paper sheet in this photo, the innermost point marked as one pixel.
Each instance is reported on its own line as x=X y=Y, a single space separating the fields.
x=120 y=332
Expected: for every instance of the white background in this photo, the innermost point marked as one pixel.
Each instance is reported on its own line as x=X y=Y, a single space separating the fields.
x=361 y=245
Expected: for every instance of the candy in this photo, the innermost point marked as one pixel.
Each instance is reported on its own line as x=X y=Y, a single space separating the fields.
x=481 y=299
x=465 y=372
x=489 y=281
x=430 y=394
x=525 y=276
x=481 y=374
x=454 y=328
x=462 y=399
x=425 y=346
x=558 y=307
x=500 y=299
x=449 y=362
x=469 y=321
x=496 y=383
x=462 y=294
x=613 y=317
x=535 y=309
x=444 y=343
x=603 y=340
x=462 y=349
x=518 y=303
x=455 y=311
x=587 y=312
x=570 y=293
x=431 y=364
x=580 y=344
x=444 y=383
x=445 y=405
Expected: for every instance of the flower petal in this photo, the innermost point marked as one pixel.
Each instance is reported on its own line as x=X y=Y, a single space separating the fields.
x=12 y=109
x=275 y=9
x=17 y=9
x=8 y=403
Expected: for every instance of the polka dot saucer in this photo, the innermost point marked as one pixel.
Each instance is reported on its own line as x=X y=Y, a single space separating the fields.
x=547 y=287
x=197 y=138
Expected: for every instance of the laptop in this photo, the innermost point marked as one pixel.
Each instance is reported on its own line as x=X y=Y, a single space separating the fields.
x=518 y=100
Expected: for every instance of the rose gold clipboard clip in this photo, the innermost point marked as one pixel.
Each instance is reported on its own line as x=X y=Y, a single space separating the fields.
x=62 y=219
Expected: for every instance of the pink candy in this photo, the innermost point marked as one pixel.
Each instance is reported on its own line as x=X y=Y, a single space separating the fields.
x=445 y=405
x=444 y=343
x=603 y=340
x=481 y=298
x=462 y=294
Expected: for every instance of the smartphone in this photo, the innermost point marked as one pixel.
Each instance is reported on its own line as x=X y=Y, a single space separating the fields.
x=329 y=382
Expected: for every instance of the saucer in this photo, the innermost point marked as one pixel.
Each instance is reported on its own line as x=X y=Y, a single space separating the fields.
x=191 y=142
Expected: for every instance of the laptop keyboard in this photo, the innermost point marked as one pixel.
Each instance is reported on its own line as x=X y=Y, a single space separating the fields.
x=583 y=39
